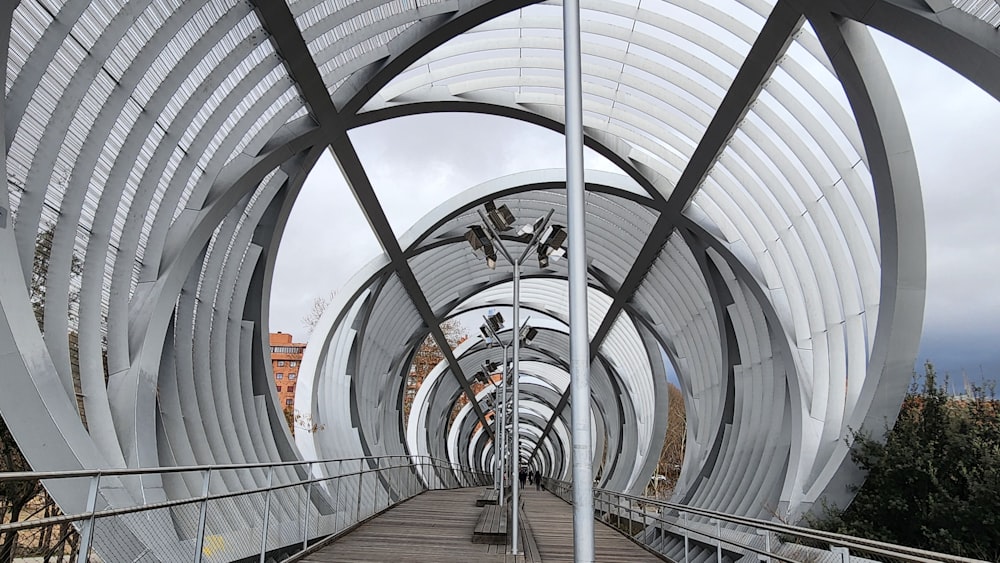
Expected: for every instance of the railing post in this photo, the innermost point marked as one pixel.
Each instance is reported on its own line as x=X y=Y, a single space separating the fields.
x=686 y=544
x=87 y=537
x=305 y=510
x=377 y=474
x=337 y=509
x=202 y=516
x=267 y=513
x=361 y=483
x=767 y=545
x=718 y=540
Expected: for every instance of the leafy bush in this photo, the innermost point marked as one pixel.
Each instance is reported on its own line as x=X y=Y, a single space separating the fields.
x=935 y=483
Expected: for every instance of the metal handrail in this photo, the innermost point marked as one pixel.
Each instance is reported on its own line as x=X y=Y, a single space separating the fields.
x=42 y=522
x=122 y=471
x=414 y=482
x=903 y=553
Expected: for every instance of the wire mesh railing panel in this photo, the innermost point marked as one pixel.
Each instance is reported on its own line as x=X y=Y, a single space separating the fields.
x=233 y=527
x=690 y=534
x=150 y=535
x=211 y=513
x=285 y=529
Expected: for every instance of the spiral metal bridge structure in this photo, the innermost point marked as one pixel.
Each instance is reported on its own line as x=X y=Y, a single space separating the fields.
x=765 y=235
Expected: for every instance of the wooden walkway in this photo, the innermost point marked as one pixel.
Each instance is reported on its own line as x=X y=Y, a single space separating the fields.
x=552 y=524
x=438 y=525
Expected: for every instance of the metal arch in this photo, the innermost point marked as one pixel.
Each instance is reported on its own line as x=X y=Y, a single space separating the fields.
x=758 y=65
x=278 y=19
x=409 y=47
x=172 y=256
x=156 y=302
x=620 y=409
x=357 y=178
x=897 y=189
x=961 y=41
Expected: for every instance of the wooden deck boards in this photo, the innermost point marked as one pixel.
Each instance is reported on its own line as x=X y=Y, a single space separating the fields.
x=438 y=525
x=552 y=526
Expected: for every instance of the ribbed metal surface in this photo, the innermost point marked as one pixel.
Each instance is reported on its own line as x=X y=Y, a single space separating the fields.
x=767 y=234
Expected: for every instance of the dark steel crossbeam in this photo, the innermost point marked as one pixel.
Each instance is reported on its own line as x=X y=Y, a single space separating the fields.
x=287 y=39
x=773 y=40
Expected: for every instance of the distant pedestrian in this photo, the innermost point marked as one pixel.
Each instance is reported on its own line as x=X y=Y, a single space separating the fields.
x=522 y=476
x=538 y=480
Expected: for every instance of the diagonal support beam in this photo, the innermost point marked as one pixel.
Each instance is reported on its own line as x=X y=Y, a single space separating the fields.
x=291 y=47
x=288 y=42
x=352 y=169
x=772 y=42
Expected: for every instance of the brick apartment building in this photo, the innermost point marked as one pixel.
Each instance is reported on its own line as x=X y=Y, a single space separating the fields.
x=286 y=357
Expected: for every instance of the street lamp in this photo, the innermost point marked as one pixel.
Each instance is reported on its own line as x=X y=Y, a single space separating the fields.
x=547 y=243
x=490 y=330
x=494 y=400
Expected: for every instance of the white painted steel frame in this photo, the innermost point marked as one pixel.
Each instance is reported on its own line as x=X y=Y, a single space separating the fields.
x=769 y=240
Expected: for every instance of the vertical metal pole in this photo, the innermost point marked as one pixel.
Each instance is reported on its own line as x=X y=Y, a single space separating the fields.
x=503 y=430
x=305 y=517
x=267 y=513
x=87 y=537
x=686 y=546
x=718 y=535
x=583 y=480
x=202 y=515
x=337 y=508
x=361 y=483
x=515 y=439
x=376 y=474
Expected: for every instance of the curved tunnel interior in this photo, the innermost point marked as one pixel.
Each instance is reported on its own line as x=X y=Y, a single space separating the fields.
x=763 y=235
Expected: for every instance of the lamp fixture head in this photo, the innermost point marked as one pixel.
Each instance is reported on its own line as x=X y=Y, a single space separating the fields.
x=496 y=321
x=528 y=333
x=477 y=238
x=501 y=217
x=553 y=238
x=525 y=233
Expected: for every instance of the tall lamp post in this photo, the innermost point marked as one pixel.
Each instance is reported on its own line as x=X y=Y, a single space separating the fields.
x=547 y=241
x=491 y=332
x=483 y=376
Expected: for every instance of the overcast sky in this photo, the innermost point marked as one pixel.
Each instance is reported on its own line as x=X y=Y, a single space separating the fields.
x=416 y=163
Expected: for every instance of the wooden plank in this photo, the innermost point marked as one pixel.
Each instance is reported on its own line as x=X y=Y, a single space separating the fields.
x=491 y=526
x=489 y=496
x=438 y=526
x=552 y=528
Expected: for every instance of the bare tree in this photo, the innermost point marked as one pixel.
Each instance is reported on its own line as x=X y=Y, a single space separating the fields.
x=14 y=495
x=668 y=470
x=319 y=306
x=427 y=357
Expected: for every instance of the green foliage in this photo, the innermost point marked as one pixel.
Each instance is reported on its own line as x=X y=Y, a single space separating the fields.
x=935 y=483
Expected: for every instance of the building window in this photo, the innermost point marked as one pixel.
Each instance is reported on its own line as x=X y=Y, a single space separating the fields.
x=279 y=376
x=291 y=388
x=289 y=402
x=281 y=363
x=279 y=388
x=291 y=376
x=293 y=364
